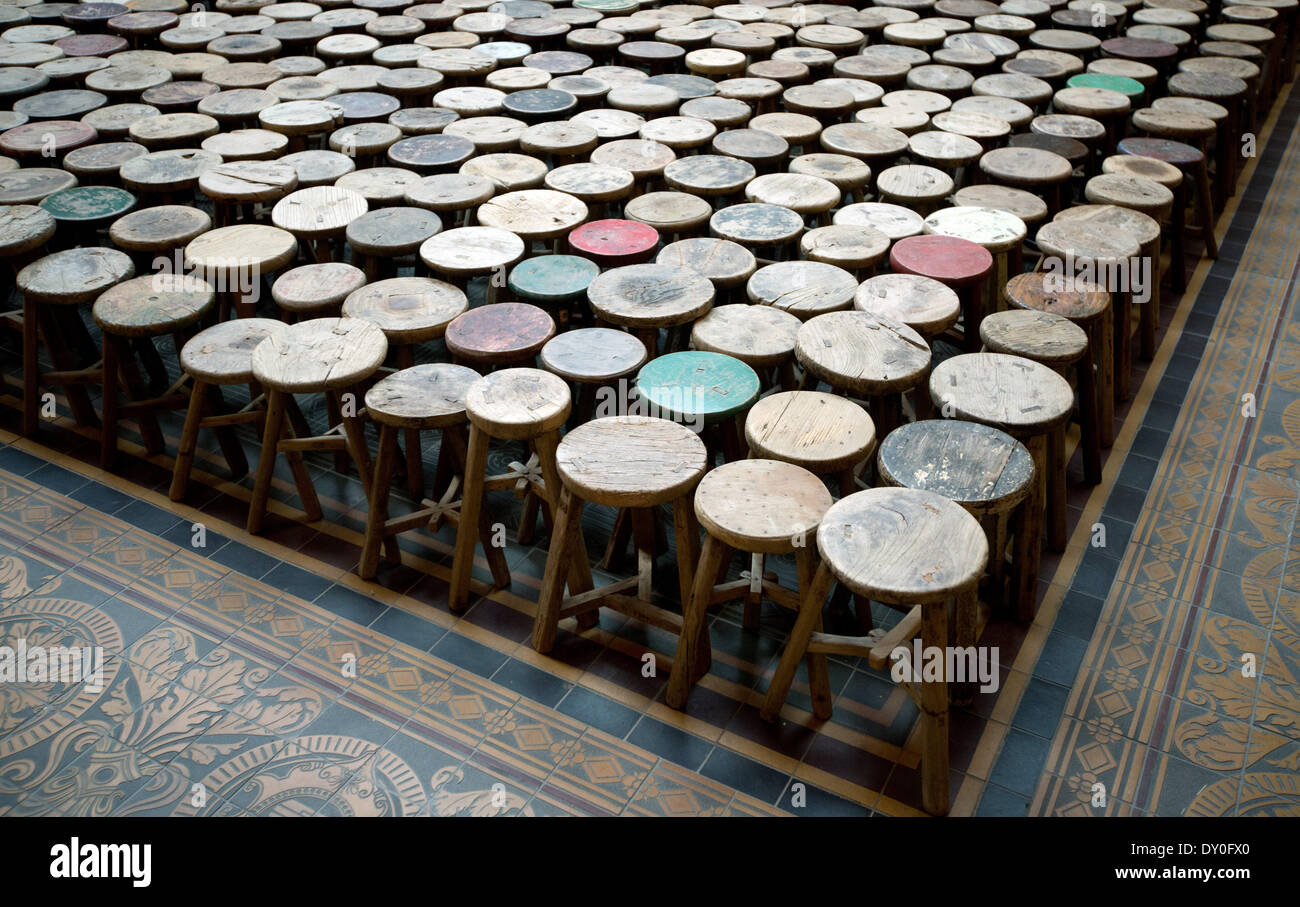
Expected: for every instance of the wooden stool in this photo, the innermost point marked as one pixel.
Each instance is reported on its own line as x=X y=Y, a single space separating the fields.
x=716 y=177
x=762 y=337
x=455 y=195
x=597 y=186
x=1031 y=403
x=635 y=464
x=1071 y=246
x=864 y=356
x=894 y=221
x=130 y=314
x=986 y=471
x=726 y=264
x=1192 y=163
x=1142 y=227
x=415 y=399
x=1230 y=92
x=1032 y=169
x=756 y=507
x=379 y=239
x=850 y=175
x=499 y=334
x=80 y=212
x=1171 y=178
x=461 y=254
x=1056 y=342
x=557 y=283
x=216 y=357
x=234 y=259
x=99 y=164
x=315 y=291
x=330 y=356
x=318 y=215
x=514 y=404
x=957 y=263
x=598 y=361
x=923 y=304
x=52 y=288
x=907 y=548
x=644 y=298
x=855 y=249
x=768 y=230
x=1105 y=105
x=237 y=187
x=805 y=289
x=828 y=435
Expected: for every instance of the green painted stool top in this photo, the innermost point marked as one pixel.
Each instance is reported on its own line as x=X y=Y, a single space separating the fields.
x=553 y=278
x=1123 y=84
x=86 y=204
x=694 y=386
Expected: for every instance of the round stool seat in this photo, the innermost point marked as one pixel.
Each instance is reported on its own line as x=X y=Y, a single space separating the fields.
x=591 y=183
x=944 y=149
x=983 y=469
x=1194 y=106
x=1090 y=102
x=1025 y=166
x=31 y=184
x=614 y=241
x=802 y=288
x=902 y=545
x=823 y=433
x=725 y=263
x=1130 y=88
x=650 y=296
x=681 y=133
x=320 y=355
x=467 y=251
x=923 y=304
x=503 y=332
x=1174 y=124
x=1077 y=239
x=519 y=403
x=24 y=228
x=1017 y=395
x=389 y=232
x=914 y=183
x=1129 y=191
x=850 y=247
x=848 y=173
x=794 y=128
x=384 y=186
x=318 y=288
x=101 y=161
x=1080 y=300
x=449 y=192
x=630 y=461
x=669 y=212
x=1040 y=336
x=593 y=355
x=246 y=145
x=423 y=397
x=761 y=506
x=709 y=174
x=997 y=231
x=243 y=248
x=318 y=211
x=553 y=279
x=88 y=205
x=154 y=305
x=798 y=192
x=1069 y=126
x=862 y=353
x=223 y=354
x=697 y=387
x=1178 y=154
x=508 y=172
x=74 y=276
x=55 y=136
x=248 y=181
x=757 y=335
x=1029 y=208
x=895 y=221
x=949 y=259
x=757 y=224
x=863 y=141
x=407 y=309
x=1150 y=168
x=159 y=229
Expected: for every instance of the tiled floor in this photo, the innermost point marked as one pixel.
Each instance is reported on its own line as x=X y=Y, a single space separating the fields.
x=265 y=672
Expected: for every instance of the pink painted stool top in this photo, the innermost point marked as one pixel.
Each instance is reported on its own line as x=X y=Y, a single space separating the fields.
x=947 y=259
x=502 y=333
x=615 y=242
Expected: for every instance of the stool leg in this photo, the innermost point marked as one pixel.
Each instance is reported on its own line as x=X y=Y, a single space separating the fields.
x=108 y=405
x=1056 y=526
x=819 y=681
x=695 y=611
x=934 y=716
x=1205 y=206
x=189 y=439
x=31 y=369
x=568 y=528
x=1123 y=343
x=967 y=625
x=355 y=432
x=1029 y=530
x=266 y=460
x=1105 y=360
x=471 y=503
x=810 y=609
x=386 y=461
x=1088 y=419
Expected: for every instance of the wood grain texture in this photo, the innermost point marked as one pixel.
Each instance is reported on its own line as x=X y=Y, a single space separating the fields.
x=757 y=335
x=407 y=309
x=802 y=288
x=824 y=433
x=979 y=467
x=320 y=355
x=650 y=295
x=762 y=506
x=863 y=353
x=422 y=397
x=1021 y=397
x=153 y=305
x=630 y=461
x=922 y=303
x=1040 y=336
x=518 y=403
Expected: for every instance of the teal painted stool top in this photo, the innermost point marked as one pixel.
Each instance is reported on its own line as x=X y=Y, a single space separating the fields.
x=694 y=386
x=87 y=204
x=1131 y=88
x=553 y=278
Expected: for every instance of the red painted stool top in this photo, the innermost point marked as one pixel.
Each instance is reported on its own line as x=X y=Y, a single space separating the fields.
x=1167 y=150
x=615 y=242
x=948 y=259
x=503 y=333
